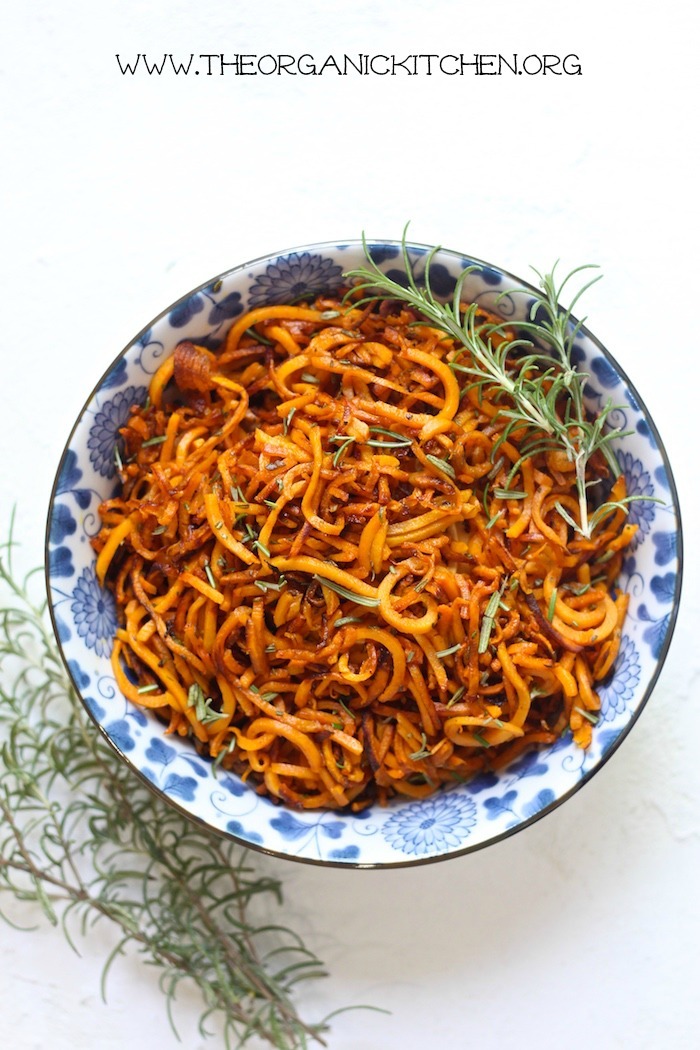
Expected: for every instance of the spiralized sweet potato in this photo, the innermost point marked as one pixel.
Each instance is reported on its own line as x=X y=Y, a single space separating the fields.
x=338 y=572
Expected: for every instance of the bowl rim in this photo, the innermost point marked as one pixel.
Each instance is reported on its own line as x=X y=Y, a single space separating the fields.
x=521 y=285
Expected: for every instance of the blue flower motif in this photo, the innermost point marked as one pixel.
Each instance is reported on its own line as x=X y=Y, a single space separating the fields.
x=541 y=800
x=431 y=826
x=606 y=739
x=615 y=696
x=666 y=544
x=644 y=429
x=69 y=474
x=181 y=314
x=578 y=355
x=291 y=277
x=81 y=679
x=345 y=853
x=234 y=787
x=641 y=511
x=62 y=524
x=116 y=376
x=631 y=400
x=496 y=806
x=236 y=828
x=333 y=829
x=655 y=634
x=119 y=733
x=64 y=631
x=230 y=306
x=60 y=563
x=68 y=478
x=664 y=587
x=160 y=752
x=661 y=476
x=105 y=429
x=399 y=277
x=529 y=765
x=288 y=826
x=441 y=280
x=94 y=613
x=379 y=253
x=198 y=767
x=96 y=710
x=604 y=372
x=180 y=787
x=486 y=273
x=482 y=782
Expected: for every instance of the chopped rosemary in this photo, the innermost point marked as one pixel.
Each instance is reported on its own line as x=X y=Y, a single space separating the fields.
x=288 y=420
x=489 y=619
x=587 y=714
x=579 y=588
x=237 y=495
x=395 y=440
x=423 y=752
x=346 y=708
x=457 y=695
x=449 y=652
x=442 y=465
x=258 y=338
x=481 y=740
x=152 y=688
x=118 y=459
x=210 y=575
x=266 y=585
x=359 y=599
x=159 y=530
x=340 y=451
x=153 y=441
x=344 y=620
x=552 y=605
x=509 y=494
x=202 y=705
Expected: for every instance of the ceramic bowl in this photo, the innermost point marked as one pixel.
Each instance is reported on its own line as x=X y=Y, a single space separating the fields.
x=455 y=821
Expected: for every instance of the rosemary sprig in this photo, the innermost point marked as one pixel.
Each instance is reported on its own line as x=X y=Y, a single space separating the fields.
x=84 y=841
x=541 y=389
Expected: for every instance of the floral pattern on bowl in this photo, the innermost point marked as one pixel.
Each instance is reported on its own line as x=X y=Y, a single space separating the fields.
x=459 y=819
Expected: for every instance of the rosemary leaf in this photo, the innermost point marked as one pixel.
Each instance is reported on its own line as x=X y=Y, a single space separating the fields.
x=448 y=652
x=442 y=465
x=359 y=599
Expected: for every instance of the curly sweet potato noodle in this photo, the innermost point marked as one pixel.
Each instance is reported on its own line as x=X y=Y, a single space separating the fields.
x=321 y=577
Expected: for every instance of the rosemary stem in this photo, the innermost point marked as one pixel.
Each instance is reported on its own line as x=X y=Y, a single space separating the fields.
x=78 y=837
x=543 y=390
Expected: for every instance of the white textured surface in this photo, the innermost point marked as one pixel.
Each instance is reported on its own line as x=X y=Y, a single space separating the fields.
x=118 y=195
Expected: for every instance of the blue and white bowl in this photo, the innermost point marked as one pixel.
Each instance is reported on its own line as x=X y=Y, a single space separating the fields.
x=459 y=819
